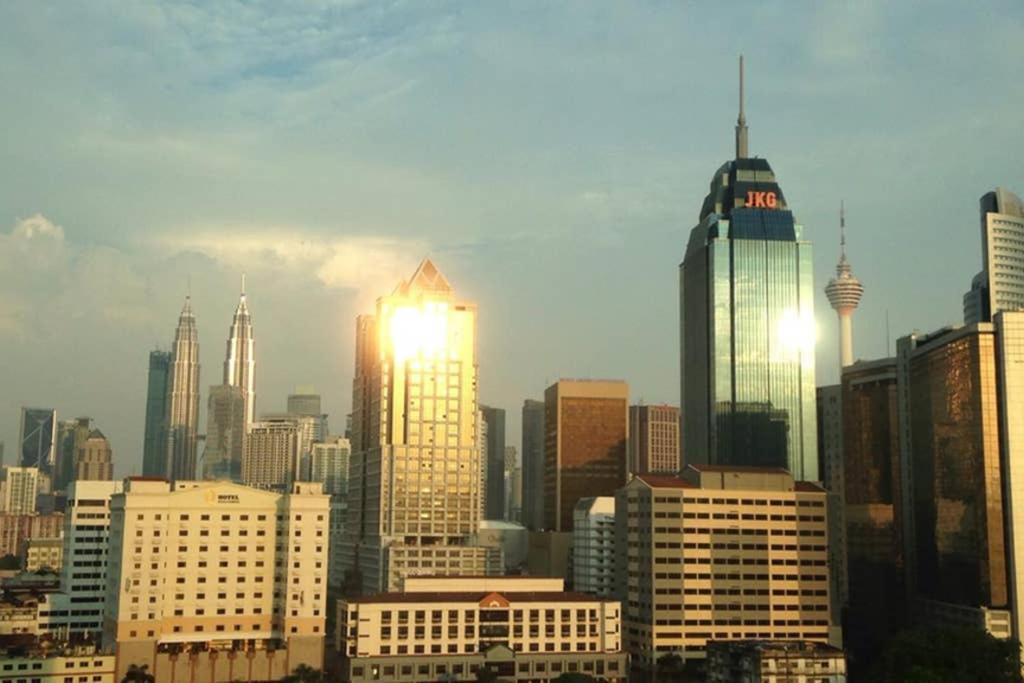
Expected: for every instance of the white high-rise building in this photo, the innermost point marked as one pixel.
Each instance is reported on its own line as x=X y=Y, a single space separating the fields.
x=217 y=581
x=1000 y=284
x=328 y=464
x=240 y=361
x=183 y=399
x=844 y=292
x=593 y=546
x=19 y=489
x=414 y=491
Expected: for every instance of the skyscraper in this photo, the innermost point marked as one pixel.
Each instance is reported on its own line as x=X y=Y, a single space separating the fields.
x=495 y=465
x=183 y=399
x=844 y=292
x=240 y=362
x=1000 y=284
x=225 y=433
x=747 y=324
x=533 y=464
x=154 y=450
x=271 y=455
x=37 y=439
x=306 y=402
x=328 y=464
x=94 y=458
x=71 y=434
x=654 y=439
x=414 y=498
x=586 y=425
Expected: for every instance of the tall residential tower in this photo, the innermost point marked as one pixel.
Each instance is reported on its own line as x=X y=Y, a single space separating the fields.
x=183 y=399
x=844 y=292
x=747 y=332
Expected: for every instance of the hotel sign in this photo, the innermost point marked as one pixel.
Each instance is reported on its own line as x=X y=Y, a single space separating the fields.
x=761 y=200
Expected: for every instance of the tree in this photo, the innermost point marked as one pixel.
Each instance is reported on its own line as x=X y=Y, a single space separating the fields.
x=485 y=675
x=304 y=674
x=10 y=562
x=948 y=655
x=576 y=678
x=138 y=674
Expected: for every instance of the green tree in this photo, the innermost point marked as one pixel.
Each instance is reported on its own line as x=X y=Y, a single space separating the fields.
x=138 y=674
x=948 y=655
x=577 y=678
x=485 y=675
x=10 y=562
x=304 y=674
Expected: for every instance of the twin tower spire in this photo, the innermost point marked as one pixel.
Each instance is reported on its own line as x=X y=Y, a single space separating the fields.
x=181 y=419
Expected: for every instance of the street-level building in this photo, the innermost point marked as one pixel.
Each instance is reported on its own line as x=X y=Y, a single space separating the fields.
x=447 y=628
x=774 y=661
x=215 y=581
x=721 y=553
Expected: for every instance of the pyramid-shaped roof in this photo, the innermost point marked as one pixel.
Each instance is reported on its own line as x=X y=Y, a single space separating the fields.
x=427 y=278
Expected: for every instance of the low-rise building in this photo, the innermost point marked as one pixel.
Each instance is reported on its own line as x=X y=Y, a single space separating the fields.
x=448 y=628
x=79 y=665
x=42 y=553
x=18 y=615
x=774 y=661
x=15 y=529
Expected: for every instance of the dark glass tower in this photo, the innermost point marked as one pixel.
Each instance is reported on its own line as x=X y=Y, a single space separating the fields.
x=746 y=324
x=154 y=450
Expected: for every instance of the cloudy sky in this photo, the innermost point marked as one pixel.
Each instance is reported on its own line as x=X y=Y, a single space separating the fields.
x=551 y=158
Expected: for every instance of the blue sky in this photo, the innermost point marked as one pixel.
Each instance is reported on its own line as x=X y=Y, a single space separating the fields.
x=551 y=158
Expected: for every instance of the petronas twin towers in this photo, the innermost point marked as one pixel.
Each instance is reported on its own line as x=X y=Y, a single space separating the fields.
x=231 y=405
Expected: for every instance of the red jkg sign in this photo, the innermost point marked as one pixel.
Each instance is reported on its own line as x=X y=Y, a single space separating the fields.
x=761 y=200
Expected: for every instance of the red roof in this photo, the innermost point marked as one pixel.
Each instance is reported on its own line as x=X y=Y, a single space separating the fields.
x=664 y=481
x=739 y=469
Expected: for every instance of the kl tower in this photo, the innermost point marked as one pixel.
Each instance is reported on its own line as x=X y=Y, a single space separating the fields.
x=844 y=292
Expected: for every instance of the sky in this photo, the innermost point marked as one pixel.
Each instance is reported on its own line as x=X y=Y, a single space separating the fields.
x=551 y=158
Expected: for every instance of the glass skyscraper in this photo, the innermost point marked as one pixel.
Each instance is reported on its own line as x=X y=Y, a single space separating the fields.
x=154 y=448
x=746 y=325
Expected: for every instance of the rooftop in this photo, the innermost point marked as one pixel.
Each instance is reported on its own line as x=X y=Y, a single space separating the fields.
x=475 y=596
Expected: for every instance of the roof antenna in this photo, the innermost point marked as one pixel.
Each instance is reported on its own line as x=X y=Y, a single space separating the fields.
x=243 y=284
x=741 y=122
x=842 y=229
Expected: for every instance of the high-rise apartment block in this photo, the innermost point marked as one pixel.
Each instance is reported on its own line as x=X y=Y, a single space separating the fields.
x=747 y=334
x=517 y=628
x=271 y=455
x=414 y=491
x=215 y=581
x=16 y=529
x=37 y=438
x=153 y=446
x=94 y=458
x=494 y=466
x=1000 y=284
x=586 y=424
x=328 y=464
x=182 y=419
x=720 y=553
x=533 y=464
x=654 y=439
x=593 y=546
x=19 y=487
x=225 y=433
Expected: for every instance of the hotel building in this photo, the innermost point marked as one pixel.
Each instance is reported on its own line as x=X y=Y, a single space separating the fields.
x=215 y=581
x=520 y=628
x=721 y=553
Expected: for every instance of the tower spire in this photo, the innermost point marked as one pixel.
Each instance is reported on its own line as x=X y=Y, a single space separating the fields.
x=741 y=122
x=243 y=284
x=842 y=230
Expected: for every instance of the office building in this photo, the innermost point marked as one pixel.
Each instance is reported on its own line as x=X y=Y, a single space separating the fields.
x=513 y=485
x=844 y=292
x=775 y=661
x=154 y=448
x=533 y=464
x=872 y=513
x=183 y=399
x=94 y=458
x=37 y=438
x=720 y=553
x=1000 y=284
x=215 y=581
x=18 y=490
x=306 y=402
x=271 y=455
x=240 y=359
x=328 y=464
x=520 y=628
x=593 y=546
x=77 y=609
x=829 y=401
x=747 y=332
x=510 y=538
x=586 y=427
x=414 y=491
x=654 y=439
x=42 y=554
x=71 y=435
x=16 y=529
x=494 y=462
x=225 y=433
x=960 y=452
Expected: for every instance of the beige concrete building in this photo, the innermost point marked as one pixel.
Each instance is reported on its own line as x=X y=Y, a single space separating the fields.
x=446 y=628
x=80 y=665
x=654 y=440
x=271 y=454
x=16 y=529
x=42 y=553
x=768 y=661
x=215 y=581
x=18 y=489
x=721 y=553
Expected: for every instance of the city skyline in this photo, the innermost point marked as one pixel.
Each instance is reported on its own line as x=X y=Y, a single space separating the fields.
x=125 y=263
